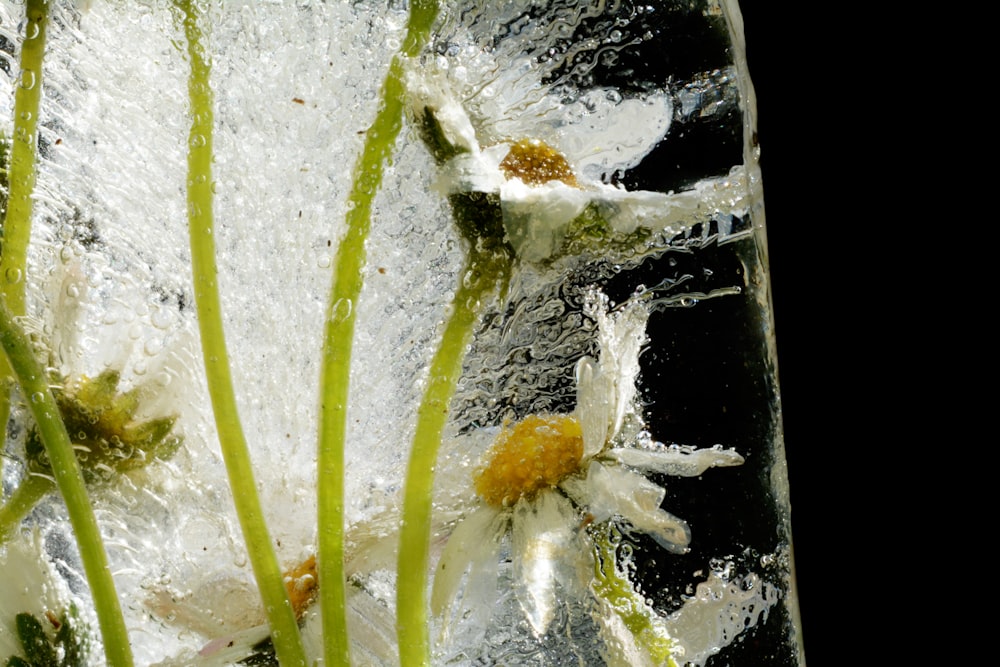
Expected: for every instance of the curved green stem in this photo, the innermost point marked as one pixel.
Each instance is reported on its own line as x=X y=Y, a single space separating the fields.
x=31 y=490
x=613 y=585
x=21 y=176
x=481 y=276
x=339 y=337
x=69 y=479
x=284 y=628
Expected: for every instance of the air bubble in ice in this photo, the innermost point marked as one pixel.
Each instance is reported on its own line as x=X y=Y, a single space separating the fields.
x=341 y=310
x=28 y=79
x=160 y=318
x=153 y=346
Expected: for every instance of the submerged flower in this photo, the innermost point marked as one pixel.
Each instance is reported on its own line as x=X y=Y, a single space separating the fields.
x=116 y=424
x=547 y=477
x=548 y=152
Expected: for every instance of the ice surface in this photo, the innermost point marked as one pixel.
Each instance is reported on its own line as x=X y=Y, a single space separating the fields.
x=296 y=88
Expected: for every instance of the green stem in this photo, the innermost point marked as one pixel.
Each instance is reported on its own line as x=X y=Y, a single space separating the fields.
x=21 y=180
x=613 y=585
x=481 y=276
x=284 y=628
x=69 y=479
x=28 y=494
x=339 y=337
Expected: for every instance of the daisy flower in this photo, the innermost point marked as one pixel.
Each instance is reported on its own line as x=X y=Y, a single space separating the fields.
x=119 y=418
x=495 y=125
x=547 y=476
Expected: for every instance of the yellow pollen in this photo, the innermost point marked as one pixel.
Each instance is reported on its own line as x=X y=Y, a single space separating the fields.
x=536 y=163
x=536 y=453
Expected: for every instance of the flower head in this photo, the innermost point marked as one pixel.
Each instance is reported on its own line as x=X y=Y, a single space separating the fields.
x=547 y=476
x=499 y=120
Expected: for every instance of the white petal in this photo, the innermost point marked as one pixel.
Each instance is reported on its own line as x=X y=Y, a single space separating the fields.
x=428 y=87
x=718 y=613
x=536 y=217
x=593 y=407
x=472 y=172
x=676 y=461
x=547 y=556
x=474 y=544
x=637 y=500
x=672 y=213
x=620 y=335
x=602 y=135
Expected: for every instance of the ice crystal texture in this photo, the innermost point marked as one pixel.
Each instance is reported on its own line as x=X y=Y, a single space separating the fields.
x=650 y=102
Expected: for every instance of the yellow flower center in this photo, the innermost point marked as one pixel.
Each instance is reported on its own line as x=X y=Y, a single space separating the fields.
x=536 y=453
x=536 y=163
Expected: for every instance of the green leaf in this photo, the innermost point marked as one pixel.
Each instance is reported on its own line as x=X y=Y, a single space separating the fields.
x=435 y=138
x=74 y=643
x=36 y=644
x=42 y=651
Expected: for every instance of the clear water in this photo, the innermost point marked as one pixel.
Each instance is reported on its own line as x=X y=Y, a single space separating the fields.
x=663 y=96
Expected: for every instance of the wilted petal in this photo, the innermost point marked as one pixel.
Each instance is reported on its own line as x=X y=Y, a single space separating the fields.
x=475 y=544
x=637 y=500
x=546 y=555
x=676 y=461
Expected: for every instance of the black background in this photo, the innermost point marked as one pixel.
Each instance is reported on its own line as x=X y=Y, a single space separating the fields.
x=800 y=96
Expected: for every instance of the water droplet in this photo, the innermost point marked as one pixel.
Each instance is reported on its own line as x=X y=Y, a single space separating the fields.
x=37 y=397
x=73 y=291
x=13 y=275
x=324 y=261
x=26 y=115
x=198 y=140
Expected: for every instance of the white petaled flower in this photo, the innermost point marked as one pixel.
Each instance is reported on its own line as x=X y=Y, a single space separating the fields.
x=550 y=152
x=546 y=477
